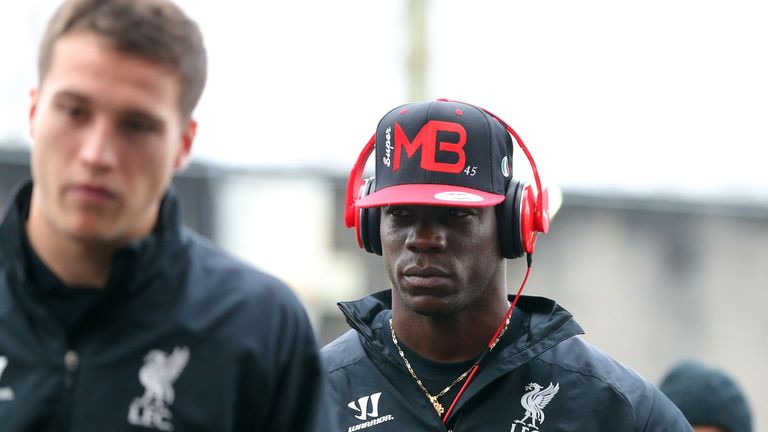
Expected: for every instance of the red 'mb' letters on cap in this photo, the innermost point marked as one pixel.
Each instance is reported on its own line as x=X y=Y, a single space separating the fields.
x=427 y=140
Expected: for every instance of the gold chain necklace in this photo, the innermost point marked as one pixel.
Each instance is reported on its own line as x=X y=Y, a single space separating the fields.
x=433 y=399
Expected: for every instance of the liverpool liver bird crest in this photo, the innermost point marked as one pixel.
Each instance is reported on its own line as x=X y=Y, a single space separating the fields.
x=159 y=372
x=158 y=375
x=535 y=400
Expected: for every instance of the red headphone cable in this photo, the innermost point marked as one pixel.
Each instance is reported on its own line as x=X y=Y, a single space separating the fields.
x=476 y=366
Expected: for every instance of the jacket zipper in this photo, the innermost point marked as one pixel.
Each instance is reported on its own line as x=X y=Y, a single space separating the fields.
x=71 y=367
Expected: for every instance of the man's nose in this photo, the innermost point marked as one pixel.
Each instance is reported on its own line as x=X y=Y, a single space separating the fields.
x=426 y=236
x=97 y=149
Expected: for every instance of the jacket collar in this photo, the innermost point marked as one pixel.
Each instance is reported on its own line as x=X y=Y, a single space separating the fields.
x=545 y=324
x=14 y=216
x=546 y=319
x=133 y=264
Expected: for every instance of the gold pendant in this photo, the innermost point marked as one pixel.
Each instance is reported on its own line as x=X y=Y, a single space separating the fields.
x=438 y=407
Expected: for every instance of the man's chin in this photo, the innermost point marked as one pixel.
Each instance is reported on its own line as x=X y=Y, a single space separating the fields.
x=434 y=306
x=94 y=232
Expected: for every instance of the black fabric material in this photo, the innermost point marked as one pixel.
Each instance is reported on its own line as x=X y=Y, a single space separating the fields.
x=487 y=143
x=71 y=305
x=594 y=392
x=251 y=354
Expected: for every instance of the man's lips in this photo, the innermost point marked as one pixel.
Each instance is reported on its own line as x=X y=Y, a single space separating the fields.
x=92 y=193
x=428 y=271
x=427 y=277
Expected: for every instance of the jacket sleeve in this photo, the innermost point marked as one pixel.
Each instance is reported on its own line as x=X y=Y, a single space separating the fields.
x=298 y=402
x=664 y=415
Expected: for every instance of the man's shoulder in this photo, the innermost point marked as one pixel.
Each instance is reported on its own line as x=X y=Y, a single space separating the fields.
x=649 y=406
x=210 y=264
x=217 y=280
x=344 y=351
x=578 y=356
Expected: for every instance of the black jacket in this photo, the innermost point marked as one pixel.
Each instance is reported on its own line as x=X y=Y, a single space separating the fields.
x=548 y=374
x=182 y=338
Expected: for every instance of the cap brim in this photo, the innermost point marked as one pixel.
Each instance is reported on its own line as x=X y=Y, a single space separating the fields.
x=429 y=194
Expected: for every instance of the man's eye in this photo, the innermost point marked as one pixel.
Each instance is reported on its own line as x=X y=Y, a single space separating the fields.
x=458 y=213
x=74 y=112
x=397 y=211
x=138 y=126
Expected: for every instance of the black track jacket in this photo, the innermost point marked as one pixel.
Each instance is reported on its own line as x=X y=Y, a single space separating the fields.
x=548 y=380
x=184 y=338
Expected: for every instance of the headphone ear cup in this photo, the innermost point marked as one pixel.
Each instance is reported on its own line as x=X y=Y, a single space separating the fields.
x=509 y=220
x=370 y=218
x=362 y=220
x=374 y=233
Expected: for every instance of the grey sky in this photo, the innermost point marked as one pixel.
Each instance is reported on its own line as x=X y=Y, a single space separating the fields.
x=654 y=96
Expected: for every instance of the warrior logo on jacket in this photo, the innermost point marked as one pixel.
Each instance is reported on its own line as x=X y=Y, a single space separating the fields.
x=534 y=402
x=370 y=416
x=158 y=374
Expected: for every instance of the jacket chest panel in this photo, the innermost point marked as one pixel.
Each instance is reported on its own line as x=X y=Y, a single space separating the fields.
x=531 y=398
x=157 y=378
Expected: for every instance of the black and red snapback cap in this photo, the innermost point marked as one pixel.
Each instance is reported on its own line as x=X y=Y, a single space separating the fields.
x=440 y=153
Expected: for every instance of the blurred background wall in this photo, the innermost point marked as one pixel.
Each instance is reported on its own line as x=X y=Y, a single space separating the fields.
x=650 y=116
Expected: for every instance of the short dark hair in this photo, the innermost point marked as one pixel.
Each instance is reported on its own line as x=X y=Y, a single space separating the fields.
x=155 y=30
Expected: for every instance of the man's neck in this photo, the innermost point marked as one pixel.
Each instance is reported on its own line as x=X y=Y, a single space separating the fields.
x=459 y=337
x=75 y=263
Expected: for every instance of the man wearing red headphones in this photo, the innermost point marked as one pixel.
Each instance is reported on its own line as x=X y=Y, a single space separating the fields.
x=443 y=350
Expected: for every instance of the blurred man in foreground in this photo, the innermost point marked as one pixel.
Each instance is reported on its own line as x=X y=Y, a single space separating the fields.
x=113 y=316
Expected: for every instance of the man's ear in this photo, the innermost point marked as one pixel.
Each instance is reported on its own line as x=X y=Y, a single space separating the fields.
x=187 y=138
x=34 y=96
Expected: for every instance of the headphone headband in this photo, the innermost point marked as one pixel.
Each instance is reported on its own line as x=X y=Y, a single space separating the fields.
x=355 y=181
x=541 y=216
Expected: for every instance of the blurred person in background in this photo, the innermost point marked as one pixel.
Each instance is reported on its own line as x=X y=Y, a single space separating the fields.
x=441 y=350
x=708 y=397
x=113 y=315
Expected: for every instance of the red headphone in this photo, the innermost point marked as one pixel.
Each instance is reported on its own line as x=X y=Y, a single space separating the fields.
x=521 y=216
